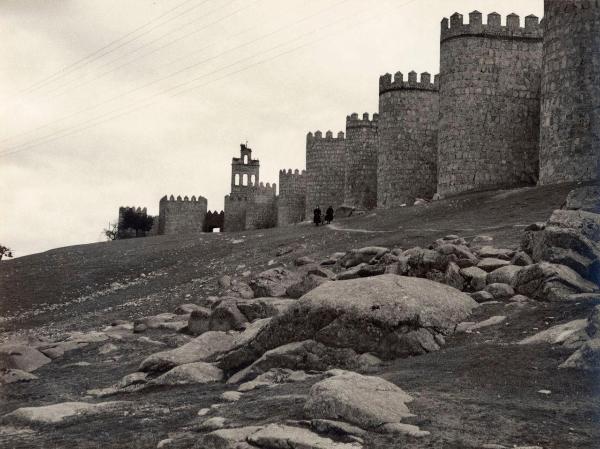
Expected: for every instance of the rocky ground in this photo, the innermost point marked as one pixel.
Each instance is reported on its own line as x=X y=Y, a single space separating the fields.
x=456 y=324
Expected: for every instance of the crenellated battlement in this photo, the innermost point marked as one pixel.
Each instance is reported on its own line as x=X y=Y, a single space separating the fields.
x=185 y=199
x=290 y=174
x=139 y=210
x=353 y=121
x=318 y=135
x=386 y=84
x=455 y=27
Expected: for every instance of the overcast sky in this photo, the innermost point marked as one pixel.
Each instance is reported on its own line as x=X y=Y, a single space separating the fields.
x=119 y=102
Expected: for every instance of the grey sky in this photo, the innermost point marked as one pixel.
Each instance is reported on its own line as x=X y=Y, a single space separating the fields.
x=64 y=191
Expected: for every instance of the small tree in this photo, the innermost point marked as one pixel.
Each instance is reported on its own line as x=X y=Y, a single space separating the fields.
x=140 y=222
x=112 y=231
x=5 y=251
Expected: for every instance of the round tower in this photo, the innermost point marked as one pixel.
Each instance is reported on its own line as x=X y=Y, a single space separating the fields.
x=570 y=117
x=360 y=185
x=407 y=134
x=325 y=167
x=489 y=103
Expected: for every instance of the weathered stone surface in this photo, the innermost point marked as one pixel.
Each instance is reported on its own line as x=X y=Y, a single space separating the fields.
x=476 y=278
x=259 y=308
x=584 y=198
x=229 y=438
x=366 y=401
x=587 y=357
x=389 y=316
x=499 y=291
x=273 y=282
x=503 y=275
x=550 y=282
x=133 y=379
x=186 y=308
x=304 y=260
x=363 y=255
x=272 y=377
x=464 y=256
x=200 y=349
x=569 y=334
x=306 y=284
x=490 y=264
x=486 y=252
x=307 y=355
x=52 y=414
x=482 y=296
x=404 y=429
x=279 y=436
x=335 y=427
x=226 y=316
x=9 y=376
x=190 y=373
x=24 y=358
x=239 y=289
x=593 y=323
x=199 y=321
x=469 y=326
x=361 y=270
x=453 y=277
x=422 y=262
x=521 y=259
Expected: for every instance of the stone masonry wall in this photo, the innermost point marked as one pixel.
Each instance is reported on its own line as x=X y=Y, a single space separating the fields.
x=489 y=103
x=262 y=209
x=291 y=204
x=570 y=120
x=236 y=206
x=181 y=215
x=360 y=185
x=407 y=128
x=325 y=171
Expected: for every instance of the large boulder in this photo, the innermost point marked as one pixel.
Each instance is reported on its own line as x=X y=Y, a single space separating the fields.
x=475 y=277
x=226 y=316
x=56 y=413
x=550 y=282
x=21 y=357
x=464 y=256
x=503 y=275
x=280 y=436
x=273 y=282
x=389 y=315
x=203 y=348
x=363 y=255
x=426 y=262
x=587 y=357
x=307 y=355
x=570 y=334
x=366 y=401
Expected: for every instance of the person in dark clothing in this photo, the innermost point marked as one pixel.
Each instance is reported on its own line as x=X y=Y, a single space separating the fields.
x=317 y=216
x=329 y=215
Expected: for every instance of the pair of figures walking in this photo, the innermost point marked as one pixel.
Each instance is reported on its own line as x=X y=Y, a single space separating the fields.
x=328 y=216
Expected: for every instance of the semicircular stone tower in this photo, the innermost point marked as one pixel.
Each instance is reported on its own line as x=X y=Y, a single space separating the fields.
x=489 y=103
x=570 y=120
x=407 y=130
x=325 y=171
x=361 y=162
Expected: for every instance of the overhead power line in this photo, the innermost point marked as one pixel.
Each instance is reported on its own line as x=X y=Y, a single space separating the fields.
x=106 y=49
x=116 y=114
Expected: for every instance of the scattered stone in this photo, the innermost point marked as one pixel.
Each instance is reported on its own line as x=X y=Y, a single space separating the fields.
x=190 y=373
x=404 y=429
x=239 y=289
x=24 y=358
x=187 y=308
x=490 y=264
x=107 y=349
x=587 y=357
x=503 y=275
x=279 y=436
x=591 y=298
x=471 y=326
x=9 y=376
x=481 y=240
x=273 y=282
x=214 y=423
x=54 y=352
x=305 y=260
x=226 y=316
x=136 y=378
x=366 y=401
x=519 y=299
x=486 y=252
x=521 y=259
x=363 y=255
x=224 y=281
x=329 y=426
x=229 y=438
x=259 y=308
x=476 y=278
x=199 y=321
x=568 y=333
x=200 y=349
x=546 y=392
x=550 y=282
x=482 y=296
x=361 y=270
x=203 y=411
x=164 y=443
x=499 y=291
x=453 y=277
x=307 y=355
x=52 y=414
x=306 y=284
x=231 y=396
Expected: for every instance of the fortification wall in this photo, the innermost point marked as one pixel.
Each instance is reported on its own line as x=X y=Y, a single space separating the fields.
x=181 y=215
x=262 y=212
x=360 y=183
x=214 y=220
x=127 y=233
x=235 y=212
x=570 y=105
x=489 y=103
x=291 y=204
x=325 y=170
x=407 y=130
